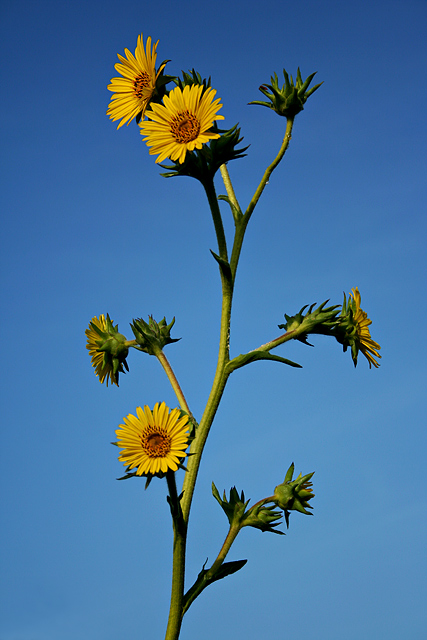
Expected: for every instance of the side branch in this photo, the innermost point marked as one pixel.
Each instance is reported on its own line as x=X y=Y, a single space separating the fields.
x=270 y=169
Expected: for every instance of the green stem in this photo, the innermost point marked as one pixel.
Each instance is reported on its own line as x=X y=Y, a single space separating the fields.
x=221 y=375
x=285 y=337
x=216 y=217
x=243 y=222
x=200 y=585
x=178 y=565
x=285 y=144
x=229 y=187
x=174 y=382
x=218 y=386
x=231 y=536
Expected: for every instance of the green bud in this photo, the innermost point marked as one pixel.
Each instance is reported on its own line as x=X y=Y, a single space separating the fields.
x=151 y=337
x=259 y=516
x=290 y=99
x=263 y=518
x=294 y=495
x=234 y=508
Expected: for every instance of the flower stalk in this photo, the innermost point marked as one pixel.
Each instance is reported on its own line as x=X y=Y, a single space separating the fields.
x=174 y=381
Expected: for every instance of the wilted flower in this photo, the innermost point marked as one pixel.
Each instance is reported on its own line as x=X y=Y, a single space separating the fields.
x=108 y=349
x=352 y=330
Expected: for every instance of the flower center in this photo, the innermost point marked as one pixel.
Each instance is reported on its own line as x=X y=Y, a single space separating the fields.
x=185 y=127
x=155 y=442
x=140 y=83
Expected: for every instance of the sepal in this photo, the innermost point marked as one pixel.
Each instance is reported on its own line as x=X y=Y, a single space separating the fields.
x=320 y=321
x=203 y=163
x=191 y=78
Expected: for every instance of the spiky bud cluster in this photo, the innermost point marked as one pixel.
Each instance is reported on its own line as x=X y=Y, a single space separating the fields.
x=294 y=495
x=152 y=336
x=259 y=516
x=290 y=99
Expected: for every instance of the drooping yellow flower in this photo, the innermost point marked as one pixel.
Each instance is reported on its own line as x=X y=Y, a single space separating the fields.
x=153 y=441
x=107 y=348
x=181 y=123
x=133 y=91
x=365 y=344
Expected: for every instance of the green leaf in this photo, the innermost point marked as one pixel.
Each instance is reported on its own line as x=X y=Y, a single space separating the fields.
x=237 y=214
x=253 y=356
x=224 y=265
x=227 y=569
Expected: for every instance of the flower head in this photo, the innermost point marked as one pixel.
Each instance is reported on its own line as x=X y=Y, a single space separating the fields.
x=353 y=330
x=182 y=123
x=107 y=348
x=153 y=441
x=133 y=91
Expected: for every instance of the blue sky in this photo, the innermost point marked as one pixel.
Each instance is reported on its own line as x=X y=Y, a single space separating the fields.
x=90 y=227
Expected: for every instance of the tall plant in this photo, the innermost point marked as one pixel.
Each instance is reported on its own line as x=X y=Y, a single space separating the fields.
x=180 y=124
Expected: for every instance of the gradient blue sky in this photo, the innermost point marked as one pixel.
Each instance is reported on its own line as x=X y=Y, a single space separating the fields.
x=89 y=227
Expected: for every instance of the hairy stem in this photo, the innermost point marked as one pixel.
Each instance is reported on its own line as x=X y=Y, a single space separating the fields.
x=174 y=382
x=229 y=187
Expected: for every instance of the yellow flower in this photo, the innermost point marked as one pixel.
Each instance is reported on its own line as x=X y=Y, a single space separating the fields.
x=133 y=91
x=364 y=342
x=153 y=441
x=107 y=348
x=181 y=123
